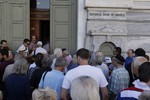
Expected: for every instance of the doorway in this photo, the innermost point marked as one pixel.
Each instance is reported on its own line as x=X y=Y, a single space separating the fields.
x=45 y=31
x=40 y=20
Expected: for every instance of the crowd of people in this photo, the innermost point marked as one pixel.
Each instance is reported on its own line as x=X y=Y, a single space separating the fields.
x=34 y=73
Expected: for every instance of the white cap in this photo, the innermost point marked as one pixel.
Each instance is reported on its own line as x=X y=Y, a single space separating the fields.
x=39 y=43
x=107 y=60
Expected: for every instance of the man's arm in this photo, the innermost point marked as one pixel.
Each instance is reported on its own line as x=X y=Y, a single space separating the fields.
x=104 y=91
x=64 y=94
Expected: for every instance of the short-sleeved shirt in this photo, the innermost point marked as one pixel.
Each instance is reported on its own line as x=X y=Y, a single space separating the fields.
x=85 y=70
x=104 y=69
x=119 y=80
x=53 y=80
x=39 y=50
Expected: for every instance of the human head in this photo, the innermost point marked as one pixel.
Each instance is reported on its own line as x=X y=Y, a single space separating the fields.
x=84 y=88
x=117 y=51
x=3 y=43
x=145 y=95
x=33 y=39
x=18 y=56
x=47 y=61
x=39 y=43
x=108 y=60
x=60 y=63
x=44 y=94
x=58 y=52
x=83 y=55
x=20 y=66
x=118 y=60
x=144 y=72
x=140 y=52
x=99 y=57
x=130 y=53
x=65 y=52
x=26 y=42
x=38 y=59
x=74 y=59
x=137 y=61
x=4 y=54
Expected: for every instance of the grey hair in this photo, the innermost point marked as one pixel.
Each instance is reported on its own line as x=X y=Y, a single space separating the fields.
x=84 y=88
x=60 y=62
x=99 y=57
x=74 y=59
x=18 y=56
x=145 y=95
x=58 y=52
x=47 y=61
x=20 y=66
x=44 y=94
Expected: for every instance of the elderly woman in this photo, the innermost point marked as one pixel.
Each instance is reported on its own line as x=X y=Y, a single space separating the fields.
x=17 y=84
x=44 y=94
x=84 y=88
x=57 y=54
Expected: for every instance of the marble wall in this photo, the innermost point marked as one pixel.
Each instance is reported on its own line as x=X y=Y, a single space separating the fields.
x=126 y=25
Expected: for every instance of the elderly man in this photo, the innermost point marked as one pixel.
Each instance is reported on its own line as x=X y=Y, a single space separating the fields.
x=136 y=63
x=33 y=44
x=39 y=49
x=129 y=59
x=54 y=78
x=140 y=85
x=99 y=57
x=84 y=69
x=119 y=78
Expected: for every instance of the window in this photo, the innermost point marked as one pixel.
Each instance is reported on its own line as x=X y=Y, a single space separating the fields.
x=40 y=4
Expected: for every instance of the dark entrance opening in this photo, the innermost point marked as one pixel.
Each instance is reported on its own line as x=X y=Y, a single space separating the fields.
x=45 y=31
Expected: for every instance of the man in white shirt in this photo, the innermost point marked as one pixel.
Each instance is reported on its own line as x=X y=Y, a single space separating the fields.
x=23 y=49
x=84 y=69
x=39 y=49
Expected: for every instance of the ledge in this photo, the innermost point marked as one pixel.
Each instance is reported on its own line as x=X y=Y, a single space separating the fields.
x=107 y=34
x=108 y=3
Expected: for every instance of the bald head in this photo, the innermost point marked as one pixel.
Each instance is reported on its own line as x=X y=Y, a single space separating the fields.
x=137 y=61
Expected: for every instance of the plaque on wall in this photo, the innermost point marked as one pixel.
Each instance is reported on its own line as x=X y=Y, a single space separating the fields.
x=101 y=14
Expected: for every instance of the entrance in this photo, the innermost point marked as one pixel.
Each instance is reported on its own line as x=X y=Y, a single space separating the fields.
x=40 y=20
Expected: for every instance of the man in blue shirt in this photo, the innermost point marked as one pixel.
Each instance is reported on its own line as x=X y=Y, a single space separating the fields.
x=54 y=78
x=129 y=59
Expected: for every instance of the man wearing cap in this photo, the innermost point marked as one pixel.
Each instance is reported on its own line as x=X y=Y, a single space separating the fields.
x=39 y=49
x=119 y=78
x=23 y=49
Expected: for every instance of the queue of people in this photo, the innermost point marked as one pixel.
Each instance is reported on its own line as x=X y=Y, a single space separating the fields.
x=33 y=74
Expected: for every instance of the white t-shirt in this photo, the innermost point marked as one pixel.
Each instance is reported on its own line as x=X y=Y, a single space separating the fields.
x=85 y=70
x=39 y=50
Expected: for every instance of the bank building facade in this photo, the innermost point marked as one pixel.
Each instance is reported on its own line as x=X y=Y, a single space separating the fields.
x=73 y=24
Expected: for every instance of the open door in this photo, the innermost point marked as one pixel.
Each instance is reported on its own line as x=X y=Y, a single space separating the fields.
x=40 y=19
